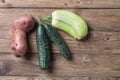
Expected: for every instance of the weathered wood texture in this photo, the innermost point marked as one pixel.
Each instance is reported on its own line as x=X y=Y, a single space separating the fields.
x=103 y=33
x=98 y=41
x=42 y=77
x=97 y=19
x=97 y=57
x=61 y=3
x=81 y=65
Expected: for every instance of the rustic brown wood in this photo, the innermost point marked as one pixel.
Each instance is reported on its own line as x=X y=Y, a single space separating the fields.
x=81 y=65
x=104 y=25
x=44 y=77
x=97 y=19
x=61 y=3
x=98 y=41
x=97 y=57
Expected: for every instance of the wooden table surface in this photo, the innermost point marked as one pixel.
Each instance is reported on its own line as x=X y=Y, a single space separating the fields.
x=97 y=57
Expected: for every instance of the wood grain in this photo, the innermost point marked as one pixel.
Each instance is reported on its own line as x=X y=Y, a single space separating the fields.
x=103 y=33
x=44 y=77
x=97 y=57
x=98 y=41
x=97 y=19
x=60 y=3
x=80 y=65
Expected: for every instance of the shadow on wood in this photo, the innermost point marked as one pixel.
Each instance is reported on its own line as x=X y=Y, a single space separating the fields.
x=29 y=49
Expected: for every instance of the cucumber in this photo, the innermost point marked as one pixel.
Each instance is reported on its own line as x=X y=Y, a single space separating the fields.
x=43 y=46
x=57 y=39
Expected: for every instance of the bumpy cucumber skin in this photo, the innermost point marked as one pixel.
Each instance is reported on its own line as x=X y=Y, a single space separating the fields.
x=76 y=22
x=43 y=45
x=57 y=39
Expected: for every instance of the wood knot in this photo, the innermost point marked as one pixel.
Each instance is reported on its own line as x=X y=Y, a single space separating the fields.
x=65 y=4
x=3 y=1
x=78 y=2
x=6 y=67
x=87 y=59
x=106 y=38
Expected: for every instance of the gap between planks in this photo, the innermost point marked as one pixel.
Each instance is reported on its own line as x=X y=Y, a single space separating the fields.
x=80 y=65
x=62 y=3
x=44 y=77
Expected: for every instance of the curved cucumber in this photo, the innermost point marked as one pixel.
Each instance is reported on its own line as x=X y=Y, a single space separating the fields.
x=57 y=39
x=43 y=46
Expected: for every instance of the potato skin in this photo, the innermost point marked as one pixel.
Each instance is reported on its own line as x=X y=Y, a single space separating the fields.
x=21 y=25
x=19 y=45
x=24 y=22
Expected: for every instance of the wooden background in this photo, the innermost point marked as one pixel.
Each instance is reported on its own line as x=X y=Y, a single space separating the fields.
x=97 y=57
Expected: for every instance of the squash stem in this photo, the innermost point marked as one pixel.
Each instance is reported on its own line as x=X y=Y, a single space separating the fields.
x=48 y=19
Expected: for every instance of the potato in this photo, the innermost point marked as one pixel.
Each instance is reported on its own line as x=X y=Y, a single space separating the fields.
x=21 y=25
x=24 y=22
x=19 y=44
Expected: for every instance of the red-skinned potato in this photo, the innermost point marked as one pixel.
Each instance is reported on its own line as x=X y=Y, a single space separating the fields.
x=21 y=25
x=19 y=45
x=24 y=23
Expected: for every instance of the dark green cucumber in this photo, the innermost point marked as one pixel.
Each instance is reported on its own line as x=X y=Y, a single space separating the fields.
x=43 y=45
x=57 y=39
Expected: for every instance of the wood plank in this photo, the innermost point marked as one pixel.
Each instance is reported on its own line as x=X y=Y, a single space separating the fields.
x=98 y=41
x=61 y=3
x=97 y=19
x=44 y=77
x=104 y=24
x=81 y=65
